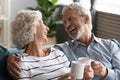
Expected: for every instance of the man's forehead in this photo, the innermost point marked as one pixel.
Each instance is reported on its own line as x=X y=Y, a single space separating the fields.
x=70 y=13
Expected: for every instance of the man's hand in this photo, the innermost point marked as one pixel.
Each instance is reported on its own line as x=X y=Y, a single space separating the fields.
x=99 y=69
x=13 y=66
x=88 y=73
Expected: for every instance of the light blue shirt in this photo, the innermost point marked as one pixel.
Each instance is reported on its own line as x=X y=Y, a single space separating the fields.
x=103 y=50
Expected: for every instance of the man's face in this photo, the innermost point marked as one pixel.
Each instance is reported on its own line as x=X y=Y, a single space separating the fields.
x=73 y=23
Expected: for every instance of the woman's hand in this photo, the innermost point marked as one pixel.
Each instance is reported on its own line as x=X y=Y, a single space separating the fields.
x=88 y=73
x=13 y=66
x=68 y=76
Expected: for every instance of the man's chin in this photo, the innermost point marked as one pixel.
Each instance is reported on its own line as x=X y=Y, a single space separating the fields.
x=73 y=37
x=76 y=37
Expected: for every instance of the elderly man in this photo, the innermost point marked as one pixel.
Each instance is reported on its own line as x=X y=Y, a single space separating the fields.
x=105 y=53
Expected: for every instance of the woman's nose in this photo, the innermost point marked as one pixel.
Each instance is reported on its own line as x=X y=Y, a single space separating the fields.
x=47 y=28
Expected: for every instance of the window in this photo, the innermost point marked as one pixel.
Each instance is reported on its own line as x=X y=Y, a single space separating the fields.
x=110 y=6
x=4 y=22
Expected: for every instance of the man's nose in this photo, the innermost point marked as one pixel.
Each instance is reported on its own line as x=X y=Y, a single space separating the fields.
x=67 y=24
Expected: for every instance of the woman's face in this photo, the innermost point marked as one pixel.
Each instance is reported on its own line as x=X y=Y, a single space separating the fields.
x=42 y=31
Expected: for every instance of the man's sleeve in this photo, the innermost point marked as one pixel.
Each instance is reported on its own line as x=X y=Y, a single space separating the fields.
x=114 y=73
x=3 y=64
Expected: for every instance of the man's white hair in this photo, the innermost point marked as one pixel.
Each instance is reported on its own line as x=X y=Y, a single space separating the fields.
x=24 y=26
x=80 y=9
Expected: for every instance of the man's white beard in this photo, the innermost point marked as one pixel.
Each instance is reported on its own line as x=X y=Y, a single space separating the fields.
x=78 y=35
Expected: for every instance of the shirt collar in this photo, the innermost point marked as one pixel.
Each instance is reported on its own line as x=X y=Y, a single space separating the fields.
x=94 y=39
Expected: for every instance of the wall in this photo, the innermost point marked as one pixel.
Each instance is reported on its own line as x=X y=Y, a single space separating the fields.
x=17 y=5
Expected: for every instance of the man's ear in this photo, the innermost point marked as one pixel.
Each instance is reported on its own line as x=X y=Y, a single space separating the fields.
x=86 y=19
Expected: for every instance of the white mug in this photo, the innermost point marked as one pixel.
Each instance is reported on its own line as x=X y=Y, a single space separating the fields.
x=77 y=68
x=85 y=60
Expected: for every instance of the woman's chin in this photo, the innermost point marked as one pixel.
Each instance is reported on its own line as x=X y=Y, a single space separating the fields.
x=46 y=40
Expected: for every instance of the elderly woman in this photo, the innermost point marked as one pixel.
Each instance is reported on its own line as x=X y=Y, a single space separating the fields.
x=30 y=33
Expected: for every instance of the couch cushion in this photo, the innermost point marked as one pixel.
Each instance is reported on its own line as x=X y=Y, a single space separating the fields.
x=14 y=51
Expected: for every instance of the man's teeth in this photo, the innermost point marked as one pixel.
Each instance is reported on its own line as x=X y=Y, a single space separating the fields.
x=71 y=29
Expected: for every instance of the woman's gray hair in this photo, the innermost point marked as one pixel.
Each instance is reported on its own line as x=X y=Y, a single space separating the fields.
x=80 y=9
x=24 y=27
